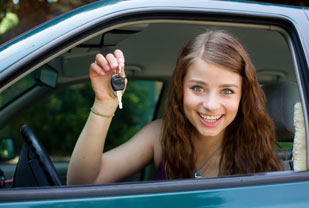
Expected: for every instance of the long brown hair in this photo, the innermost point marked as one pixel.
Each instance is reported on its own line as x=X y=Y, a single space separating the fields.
x=249 y=141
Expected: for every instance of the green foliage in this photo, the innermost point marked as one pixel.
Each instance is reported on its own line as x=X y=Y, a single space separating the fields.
x=56 y=120
x=9 y=21
x=6 y=148
x=3 y=8
x=138 y=108
x=286 y=145
x=19 y=16
x=59 y=118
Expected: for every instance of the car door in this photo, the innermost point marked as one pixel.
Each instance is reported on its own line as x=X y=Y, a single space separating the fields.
x=276 y=37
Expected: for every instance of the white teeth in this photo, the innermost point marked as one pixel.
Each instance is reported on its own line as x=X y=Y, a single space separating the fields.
x=209 y=118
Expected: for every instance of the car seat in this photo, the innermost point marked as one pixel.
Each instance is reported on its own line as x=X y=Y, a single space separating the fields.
x=281 y=99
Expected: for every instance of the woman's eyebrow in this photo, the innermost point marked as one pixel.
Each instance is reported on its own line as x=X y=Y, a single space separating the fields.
x=230 y=85
x=197 y=81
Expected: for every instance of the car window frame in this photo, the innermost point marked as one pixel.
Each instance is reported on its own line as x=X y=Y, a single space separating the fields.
x=150 y=187
x=43 y=55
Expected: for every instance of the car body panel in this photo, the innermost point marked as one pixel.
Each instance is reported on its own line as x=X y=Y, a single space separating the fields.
x=284 y=189
x=272 y=195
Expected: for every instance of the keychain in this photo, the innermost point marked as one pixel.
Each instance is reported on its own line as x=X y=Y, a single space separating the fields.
x=118 y=83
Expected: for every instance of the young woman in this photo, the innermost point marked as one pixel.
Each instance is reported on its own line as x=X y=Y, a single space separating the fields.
x=215 y=122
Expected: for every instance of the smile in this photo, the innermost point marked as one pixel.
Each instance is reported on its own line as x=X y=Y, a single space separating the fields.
x=210 y=119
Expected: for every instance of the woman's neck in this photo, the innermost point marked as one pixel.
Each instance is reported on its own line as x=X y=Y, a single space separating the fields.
x=205 y=146
x=207 y=153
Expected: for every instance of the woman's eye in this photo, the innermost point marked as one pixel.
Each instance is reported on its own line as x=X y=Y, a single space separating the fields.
x=197 y=89
x=227 y=91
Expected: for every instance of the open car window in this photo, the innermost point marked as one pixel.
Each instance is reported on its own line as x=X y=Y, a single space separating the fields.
x=68 y=103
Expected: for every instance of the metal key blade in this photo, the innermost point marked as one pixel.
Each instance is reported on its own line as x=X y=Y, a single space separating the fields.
x=119 y=96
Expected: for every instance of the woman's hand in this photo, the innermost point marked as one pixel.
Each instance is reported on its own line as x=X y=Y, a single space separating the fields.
x=101 y=71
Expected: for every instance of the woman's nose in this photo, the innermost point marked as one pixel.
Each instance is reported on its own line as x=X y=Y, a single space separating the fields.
x=211 y=101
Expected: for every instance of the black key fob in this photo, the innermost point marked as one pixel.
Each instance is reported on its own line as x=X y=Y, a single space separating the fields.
x=117 y=82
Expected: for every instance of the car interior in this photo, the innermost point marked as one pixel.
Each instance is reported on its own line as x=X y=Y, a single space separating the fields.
x=151 y=48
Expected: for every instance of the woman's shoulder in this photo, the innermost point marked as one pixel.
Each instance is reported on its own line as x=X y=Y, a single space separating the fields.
x=158 y=123
x=154 y=127
x=152 y=130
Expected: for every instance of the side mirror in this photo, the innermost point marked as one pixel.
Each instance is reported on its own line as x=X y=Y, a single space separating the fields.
x=7 y=148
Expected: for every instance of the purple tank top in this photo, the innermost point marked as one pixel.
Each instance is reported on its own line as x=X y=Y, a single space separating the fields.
x=161 y=171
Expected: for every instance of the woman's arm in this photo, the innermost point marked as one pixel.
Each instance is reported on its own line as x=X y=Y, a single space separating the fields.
x=87 y=164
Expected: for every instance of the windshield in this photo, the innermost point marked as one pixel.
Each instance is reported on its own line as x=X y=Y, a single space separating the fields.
x=17 y=89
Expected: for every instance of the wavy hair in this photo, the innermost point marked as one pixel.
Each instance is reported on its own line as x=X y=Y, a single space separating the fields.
x=249 y=141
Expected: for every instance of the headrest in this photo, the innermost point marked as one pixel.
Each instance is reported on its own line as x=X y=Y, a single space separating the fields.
x=281 y=98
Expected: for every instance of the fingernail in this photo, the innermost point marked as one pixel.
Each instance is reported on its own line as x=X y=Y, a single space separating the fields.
x=121 y=60
x=107 y=67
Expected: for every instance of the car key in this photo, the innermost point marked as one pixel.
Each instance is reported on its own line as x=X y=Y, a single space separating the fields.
x=118 y=83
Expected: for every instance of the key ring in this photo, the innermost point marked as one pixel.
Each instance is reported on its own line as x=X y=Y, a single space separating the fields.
x=119 y=70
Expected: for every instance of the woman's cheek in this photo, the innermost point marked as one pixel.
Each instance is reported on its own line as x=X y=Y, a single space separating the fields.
x=233 y=105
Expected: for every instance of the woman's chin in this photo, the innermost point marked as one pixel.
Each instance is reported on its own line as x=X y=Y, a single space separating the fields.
x=209 y=133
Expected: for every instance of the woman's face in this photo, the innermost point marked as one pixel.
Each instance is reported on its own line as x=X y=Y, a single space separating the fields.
x=212 y=95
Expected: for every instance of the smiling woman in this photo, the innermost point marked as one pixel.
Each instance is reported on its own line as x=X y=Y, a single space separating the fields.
x=235 y=123
x=211 y=100
x=203 y=123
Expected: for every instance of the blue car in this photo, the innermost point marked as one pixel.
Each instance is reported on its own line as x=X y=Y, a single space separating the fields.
x=46 y=96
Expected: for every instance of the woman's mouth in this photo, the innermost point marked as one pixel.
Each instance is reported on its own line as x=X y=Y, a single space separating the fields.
x=210 y=121
x=210 y=118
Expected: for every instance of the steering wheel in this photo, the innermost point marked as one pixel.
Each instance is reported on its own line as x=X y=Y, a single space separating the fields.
x=34 y=167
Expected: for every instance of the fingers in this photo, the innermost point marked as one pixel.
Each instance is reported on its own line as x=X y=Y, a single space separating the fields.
x=101 y=61
x=96 y=68
x=119 y=56
x=109 y=62
x=113 y=63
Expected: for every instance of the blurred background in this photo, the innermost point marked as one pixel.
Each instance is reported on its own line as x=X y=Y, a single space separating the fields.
x=18 y=16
